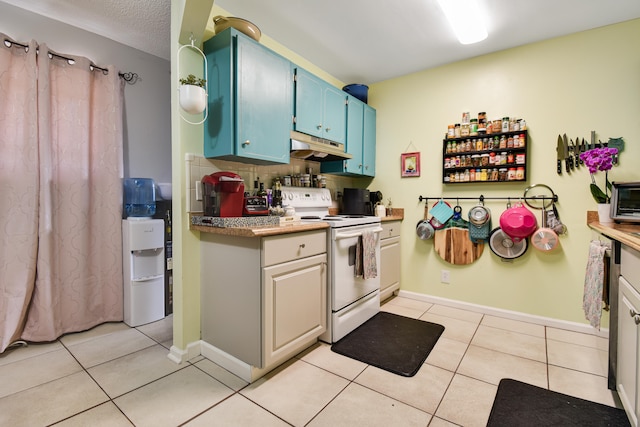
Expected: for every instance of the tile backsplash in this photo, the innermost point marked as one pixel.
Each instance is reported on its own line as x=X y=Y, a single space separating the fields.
x=198 y=167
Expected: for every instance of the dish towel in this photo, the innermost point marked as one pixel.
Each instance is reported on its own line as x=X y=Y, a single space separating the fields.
x=366 y=256
x=593 y=283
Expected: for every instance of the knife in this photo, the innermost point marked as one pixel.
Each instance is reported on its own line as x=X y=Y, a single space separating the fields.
x=567 y=158
x=583 y=148
x=560 y=154
x=592 y=145
x=576 y=152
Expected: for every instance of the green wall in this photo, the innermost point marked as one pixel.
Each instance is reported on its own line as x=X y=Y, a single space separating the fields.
x=573 y=84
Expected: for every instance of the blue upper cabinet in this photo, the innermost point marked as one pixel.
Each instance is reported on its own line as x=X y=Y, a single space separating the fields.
x=250 y=101
x=361 y=142
x=369 y=142
x=320 y=109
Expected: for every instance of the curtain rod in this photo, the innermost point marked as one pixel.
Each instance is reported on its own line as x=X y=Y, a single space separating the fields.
x=129 y=77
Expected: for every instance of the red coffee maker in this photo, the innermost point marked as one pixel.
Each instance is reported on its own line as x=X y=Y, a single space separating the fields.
x=223 y=194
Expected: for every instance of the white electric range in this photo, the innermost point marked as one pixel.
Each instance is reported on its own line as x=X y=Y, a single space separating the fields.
x=352 y=300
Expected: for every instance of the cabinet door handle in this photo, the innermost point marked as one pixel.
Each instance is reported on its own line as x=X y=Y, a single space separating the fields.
x=302 y=245
x=637 y=320
x=319 y=126
x=247 y=142
x=633 y=313
x=327 y=129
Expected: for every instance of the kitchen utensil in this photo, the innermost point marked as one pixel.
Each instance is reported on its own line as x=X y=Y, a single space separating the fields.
x=221 y=23
x=583 y=148
x=504 y=246
x=479 y=215
x=544 y=239
x=574 y=152
x=454 y=246
x=567 y=158
x=518 y=222
x=592 y=144
x=560 y=154
x=424 y=229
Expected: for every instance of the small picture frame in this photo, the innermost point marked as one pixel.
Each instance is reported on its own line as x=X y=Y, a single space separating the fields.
x=410 y=164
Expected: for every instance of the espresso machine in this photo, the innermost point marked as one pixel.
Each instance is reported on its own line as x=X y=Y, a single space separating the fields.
x=223 y=194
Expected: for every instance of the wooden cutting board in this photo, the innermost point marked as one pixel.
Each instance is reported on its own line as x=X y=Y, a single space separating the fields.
x=454 y=246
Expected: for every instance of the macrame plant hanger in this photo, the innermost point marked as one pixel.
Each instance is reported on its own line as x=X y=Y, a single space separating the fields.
x=206 y=83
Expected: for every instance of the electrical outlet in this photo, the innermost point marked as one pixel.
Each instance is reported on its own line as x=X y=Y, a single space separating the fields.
x=444 y=276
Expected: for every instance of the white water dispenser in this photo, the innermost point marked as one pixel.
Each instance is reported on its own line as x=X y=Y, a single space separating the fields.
x=143 y=270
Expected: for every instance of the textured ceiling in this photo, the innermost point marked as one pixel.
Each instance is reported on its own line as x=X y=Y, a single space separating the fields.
x=356 y=41
x=142 y=24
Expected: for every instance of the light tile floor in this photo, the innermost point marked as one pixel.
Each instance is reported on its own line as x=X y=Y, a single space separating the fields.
x=114 y=375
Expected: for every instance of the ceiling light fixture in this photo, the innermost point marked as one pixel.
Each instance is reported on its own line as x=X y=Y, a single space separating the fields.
x=466 y=19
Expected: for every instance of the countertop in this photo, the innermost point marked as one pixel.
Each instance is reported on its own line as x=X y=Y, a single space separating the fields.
x=274 y=230
x=619 y=232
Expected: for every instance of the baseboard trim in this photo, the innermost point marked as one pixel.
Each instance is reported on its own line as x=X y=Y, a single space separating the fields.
x=508 y=314
x=179 y=356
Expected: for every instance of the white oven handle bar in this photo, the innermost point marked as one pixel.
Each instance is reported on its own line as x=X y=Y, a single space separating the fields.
x=340 y=236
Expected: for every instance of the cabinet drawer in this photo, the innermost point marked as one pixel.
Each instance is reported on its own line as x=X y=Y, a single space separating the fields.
x=390 y=229
x=630 y=266
x=288 y=247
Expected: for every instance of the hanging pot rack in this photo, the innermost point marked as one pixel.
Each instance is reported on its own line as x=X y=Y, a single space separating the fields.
x=206 y=83
x=550 y=199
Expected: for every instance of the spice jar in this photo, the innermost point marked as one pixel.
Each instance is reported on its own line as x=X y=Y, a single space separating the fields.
x=451 y=131
x=505 y=124
x=492 y=158
x=502 y=174
x=522 y=140
x=520 y=173
x=473 y=127
x=520 y=158
x=510 y=158
x=484 y=160
x=475 y=160
x=464 y=129
x=494 y=174
x=456 y=130
x=503 y=141
x=511 y=174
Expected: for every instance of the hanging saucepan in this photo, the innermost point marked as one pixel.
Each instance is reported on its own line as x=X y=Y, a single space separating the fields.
x=424 y=229
x=541 y=196
x=518 y=222
x=544 y=239
x=479 y=215
x=504 y=246
x=479 y=224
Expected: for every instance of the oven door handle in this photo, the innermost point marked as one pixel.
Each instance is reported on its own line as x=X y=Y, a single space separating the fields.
x=340 y=236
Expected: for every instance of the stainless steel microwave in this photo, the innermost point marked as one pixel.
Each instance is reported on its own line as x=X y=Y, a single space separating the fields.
x=625 y=201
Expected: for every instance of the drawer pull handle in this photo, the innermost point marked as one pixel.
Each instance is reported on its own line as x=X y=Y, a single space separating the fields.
x=247 y=142
x=302 y=246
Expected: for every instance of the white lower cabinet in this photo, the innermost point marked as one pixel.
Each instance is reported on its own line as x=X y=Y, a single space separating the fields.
x=263 y=300
x=389 y=259
x=628 y=370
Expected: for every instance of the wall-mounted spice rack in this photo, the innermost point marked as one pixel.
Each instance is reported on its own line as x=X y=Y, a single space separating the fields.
x=485 y=158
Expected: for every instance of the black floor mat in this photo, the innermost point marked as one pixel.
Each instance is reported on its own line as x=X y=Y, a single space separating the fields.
x=394 y=343
x=521 y=404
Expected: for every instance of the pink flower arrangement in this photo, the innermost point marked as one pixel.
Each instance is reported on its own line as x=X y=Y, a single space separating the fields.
x=599 y=159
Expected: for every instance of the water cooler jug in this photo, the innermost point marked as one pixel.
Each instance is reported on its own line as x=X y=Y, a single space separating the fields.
x=139 y=197
x=143 y=270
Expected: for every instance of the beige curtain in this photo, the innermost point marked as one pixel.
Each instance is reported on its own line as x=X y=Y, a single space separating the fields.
x=78 y=203
x=18 y=186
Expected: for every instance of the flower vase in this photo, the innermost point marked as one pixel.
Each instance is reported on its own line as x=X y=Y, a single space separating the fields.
x=604 y=213
x=193 y=99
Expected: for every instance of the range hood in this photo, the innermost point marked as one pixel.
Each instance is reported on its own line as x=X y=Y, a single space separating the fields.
x=316 y=149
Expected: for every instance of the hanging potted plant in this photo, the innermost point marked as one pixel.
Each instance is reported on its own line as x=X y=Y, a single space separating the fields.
x=193 y=97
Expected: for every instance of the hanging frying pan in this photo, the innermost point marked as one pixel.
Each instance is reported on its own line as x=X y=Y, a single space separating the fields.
x=544 y=239
x=504 y=246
